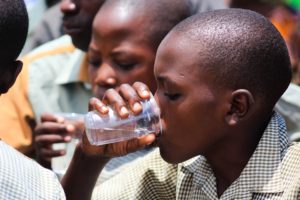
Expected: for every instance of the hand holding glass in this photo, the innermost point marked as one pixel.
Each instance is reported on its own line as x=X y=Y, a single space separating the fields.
x=110 y=128
x=60 y=164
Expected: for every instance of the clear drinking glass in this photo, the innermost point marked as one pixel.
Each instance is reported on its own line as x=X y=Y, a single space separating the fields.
x=110 y=128
x=60 y=164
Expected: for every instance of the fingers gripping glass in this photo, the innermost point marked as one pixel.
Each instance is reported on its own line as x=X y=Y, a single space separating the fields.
x=105 y=129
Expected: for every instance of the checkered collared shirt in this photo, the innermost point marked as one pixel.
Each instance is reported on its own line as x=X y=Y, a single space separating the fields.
x=273 y=173
x=23 y=179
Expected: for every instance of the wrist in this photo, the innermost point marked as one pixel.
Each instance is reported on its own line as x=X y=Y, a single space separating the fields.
x=89 y=154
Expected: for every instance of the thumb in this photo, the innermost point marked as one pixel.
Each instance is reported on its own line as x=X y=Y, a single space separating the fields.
x=140 y=143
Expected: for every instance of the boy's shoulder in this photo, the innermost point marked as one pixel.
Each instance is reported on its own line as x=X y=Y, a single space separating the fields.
x=55 y=60
x=23 y=178
x=291 y=161
x=63 y=41
x=53 y=54
x=290 y=172
x=149 y=177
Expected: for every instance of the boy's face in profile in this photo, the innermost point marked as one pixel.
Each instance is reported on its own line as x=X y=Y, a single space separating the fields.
x=118 y=53
x=192 y=108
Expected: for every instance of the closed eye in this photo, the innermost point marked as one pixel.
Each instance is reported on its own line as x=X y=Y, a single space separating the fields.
x=125 y=66
x=94 y=63
x=172 y=97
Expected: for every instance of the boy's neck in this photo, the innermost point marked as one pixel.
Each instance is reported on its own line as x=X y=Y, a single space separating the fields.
x=229 y=158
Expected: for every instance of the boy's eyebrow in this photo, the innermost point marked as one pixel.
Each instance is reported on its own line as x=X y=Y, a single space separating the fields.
x=164 y=79
x=123 y=52
x=93 y=50
x=118 y=53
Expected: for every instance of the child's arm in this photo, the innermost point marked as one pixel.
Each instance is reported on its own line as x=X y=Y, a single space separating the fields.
x=88 y=160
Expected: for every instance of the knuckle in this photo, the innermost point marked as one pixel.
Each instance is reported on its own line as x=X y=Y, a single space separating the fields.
x=92 y=100
x=38 y=138
x=136 y=84
x=124 y=86
x=140 y=86
x=110 y=91
x=44 y=115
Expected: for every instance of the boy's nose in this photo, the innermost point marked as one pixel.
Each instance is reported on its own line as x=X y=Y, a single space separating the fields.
x=68 y=6
x=106 y=76
x=156 y=97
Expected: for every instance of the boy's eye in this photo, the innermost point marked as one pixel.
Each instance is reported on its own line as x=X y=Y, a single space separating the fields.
x=94 y=63
x=125 y=66
x=172 y=97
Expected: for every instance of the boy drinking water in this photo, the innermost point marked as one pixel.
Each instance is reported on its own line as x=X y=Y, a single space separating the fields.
x=126 y=34
x=219 y=76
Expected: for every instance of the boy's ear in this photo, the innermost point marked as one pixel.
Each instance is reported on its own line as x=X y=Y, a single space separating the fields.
x=10 y=76
x=18 y=69
x=241 y=102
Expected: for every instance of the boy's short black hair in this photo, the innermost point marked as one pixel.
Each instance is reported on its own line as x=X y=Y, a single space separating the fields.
x=13 y=29
x=242 y=49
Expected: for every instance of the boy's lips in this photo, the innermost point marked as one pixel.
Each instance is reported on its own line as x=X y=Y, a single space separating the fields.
x=71 y=28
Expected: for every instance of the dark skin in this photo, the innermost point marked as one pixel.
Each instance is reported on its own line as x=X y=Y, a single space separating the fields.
x=264 y=8
x=119 y=52
x=258 y=5
x=92 y=159
x=198 y=118
x=9 y=74
x=78 y=19
x=51 y=130
x=77 y=22
x=221 y=113
x=114 y=58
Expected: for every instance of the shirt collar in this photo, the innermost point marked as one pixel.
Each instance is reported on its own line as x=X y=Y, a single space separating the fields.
x=262 y=172
x=75 y=69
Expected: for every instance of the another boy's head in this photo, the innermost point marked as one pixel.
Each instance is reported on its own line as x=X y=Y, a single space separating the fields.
x=219 y=76
x=239 y=3
x=78 y=19
x=126 y=34
x=13 y=32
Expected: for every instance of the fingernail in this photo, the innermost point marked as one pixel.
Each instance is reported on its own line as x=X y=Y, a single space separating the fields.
x=60 y=119
x=124 y=111
x=68 y=138
x=101 y=107
x=104 y=109
x=137 y=106
x=98 y=103
x=72 y=6
x=70 y=128
x=145 y=93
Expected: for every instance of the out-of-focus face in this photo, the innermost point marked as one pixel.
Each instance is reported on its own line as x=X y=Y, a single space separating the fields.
x=191 y=107
x=118 y=53
x=78 y=19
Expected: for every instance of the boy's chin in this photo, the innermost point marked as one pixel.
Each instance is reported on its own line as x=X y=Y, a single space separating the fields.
x=170 y=157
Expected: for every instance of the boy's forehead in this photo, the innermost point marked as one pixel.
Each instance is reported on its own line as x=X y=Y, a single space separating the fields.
x=178 y=59
x=177 y=50
x=117 y=18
